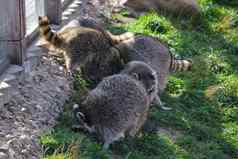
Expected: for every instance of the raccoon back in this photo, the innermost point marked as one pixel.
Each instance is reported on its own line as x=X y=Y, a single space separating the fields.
x=115 y=101
x=155 y=53
x=113 y=39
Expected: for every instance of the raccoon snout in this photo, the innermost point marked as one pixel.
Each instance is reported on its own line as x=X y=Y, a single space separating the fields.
x=78 y=115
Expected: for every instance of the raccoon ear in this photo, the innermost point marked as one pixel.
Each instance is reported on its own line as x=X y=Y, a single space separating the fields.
x=40 y=18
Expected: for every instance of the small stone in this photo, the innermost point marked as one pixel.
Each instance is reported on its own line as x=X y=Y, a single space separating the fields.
x=3 y=155
x=61 y=68
x=39 y=107
x=23 y=109
x=4 y=148
x=24 y=151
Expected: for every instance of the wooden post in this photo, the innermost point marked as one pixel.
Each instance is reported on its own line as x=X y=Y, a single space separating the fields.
x=54 y=10
x=4 y=61
x=12 y=29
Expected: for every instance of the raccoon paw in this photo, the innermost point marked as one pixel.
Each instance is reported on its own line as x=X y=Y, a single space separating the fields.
x=77 y=127
x=160 y=104
x=83 y=127
x=165 y=108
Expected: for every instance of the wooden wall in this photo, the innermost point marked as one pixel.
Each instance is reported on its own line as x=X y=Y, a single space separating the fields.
x=12 y=29
x=13 y=26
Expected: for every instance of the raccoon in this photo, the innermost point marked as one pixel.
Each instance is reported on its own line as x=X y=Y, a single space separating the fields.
x=84 y=47
x=156 y=54
x=153 y=52
x=146 y=74
x=149 y=50
x=119 y=105
x=184 y=8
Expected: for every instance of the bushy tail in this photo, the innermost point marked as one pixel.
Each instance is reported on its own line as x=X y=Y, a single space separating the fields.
x=46 y=32
x=180 y=65
x=116 y=39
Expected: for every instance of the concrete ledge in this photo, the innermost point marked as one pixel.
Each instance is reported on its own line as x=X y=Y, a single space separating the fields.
x=9 y=79
x=17 y=71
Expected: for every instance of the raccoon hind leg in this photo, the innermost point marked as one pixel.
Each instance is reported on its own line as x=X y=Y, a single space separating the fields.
x=135 y=127
x=110 y=137
x=68 y=62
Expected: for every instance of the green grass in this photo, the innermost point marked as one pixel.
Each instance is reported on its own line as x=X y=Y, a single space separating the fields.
x=204 y=121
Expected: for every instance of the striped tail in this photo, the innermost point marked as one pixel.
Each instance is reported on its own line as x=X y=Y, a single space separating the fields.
x=116 y=39
x=46 y=32
x=180 y=65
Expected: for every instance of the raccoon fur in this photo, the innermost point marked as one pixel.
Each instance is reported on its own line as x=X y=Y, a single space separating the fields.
x=90 y=49
x=149 y=50
x=119 y=105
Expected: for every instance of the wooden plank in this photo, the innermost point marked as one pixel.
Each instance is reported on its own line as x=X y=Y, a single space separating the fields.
x=4 y=63
x=15 y=50
x=12 y=29
x=11 y=20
